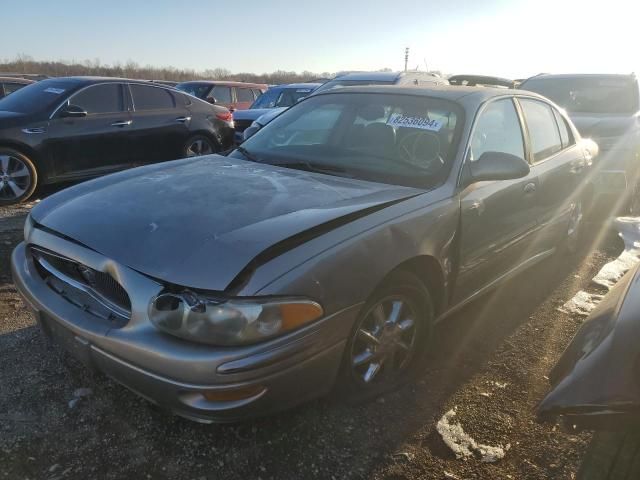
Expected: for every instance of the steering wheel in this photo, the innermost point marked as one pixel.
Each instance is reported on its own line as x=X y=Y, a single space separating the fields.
x=422 y=150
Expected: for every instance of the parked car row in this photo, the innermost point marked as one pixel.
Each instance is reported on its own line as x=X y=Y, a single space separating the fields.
x=72 y=128
x=9 y=85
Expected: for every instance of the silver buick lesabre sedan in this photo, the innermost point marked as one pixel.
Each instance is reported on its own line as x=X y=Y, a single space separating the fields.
x=317 y=255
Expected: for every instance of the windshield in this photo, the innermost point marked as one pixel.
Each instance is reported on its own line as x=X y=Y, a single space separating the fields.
x=389 y=138
x=199 y=90
x=604 y=94
x=281 y=97
x=38 y=97
x=349 y=83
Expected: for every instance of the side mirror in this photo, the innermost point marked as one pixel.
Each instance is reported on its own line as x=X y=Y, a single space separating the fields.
x=73 y=111
x=498 y=166
x=212 y=100
x=250 y=131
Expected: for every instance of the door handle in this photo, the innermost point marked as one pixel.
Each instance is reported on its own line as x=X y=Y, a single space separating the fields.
x=530 y=187
x=123 y=123
x=183 y=119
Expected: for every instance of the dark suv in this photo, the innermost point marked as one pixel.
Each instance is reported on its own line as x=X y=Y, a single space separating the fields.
x=78 y=127
x=233 y=95
x=605 y=108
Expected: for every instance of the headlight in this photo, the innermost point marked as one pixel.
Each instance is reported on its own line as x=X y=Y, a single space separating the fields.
x=229 y=321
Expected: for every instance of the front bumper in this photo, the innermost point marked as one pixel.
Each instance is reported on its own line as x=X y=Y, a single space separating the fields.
x=174 y=373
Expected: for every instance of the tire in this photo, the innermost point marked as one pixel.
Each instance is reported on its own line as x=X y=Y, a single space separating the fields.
x=359 y=378
x=199 y=145
x=18 y=176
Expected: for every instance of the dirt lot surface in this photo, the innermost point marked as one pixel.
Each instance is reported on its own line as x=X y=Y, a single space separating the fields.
x=488 y=362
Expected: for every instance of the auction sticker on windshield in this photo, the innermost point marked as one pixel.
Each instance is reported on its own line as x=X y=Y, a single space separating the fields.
x=400 y=120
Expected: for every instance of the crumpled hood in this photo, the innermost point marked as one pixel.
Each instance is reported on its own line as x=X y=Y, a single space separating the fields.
x=199 y=222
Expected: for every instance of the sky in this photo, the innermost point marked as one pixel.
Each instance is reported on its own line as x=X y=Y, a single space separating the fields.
x=511 y=38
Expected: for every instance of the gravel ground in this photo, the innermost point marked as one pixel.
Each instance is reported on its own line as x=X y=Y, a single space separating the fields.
x=488 y=363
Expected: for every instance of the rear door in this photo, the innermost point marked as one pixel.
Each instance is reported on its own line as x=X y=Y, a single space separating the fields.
x=160 y=126
x=95 y=143
x=498 y=218
x=559 y=165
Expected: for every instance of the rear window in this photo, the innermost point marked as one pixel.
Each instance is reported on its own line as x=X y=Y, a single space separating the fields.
x=614 y=95
x=199 y=90
x=281 y=97
x=38 y=97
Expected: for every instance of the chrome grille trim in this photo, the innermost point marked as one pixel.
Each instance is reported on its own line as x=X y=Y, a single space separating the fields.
x=38 y=255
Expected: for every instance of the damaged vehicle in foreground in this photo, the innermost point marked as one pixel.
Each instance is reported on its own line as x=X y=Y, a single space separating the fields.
x=596 y=382
x=319 y=254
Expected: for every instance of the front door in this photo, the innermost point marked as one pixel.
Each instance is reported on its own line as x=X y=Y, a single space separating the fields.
x=498 y=218
x=93 y=144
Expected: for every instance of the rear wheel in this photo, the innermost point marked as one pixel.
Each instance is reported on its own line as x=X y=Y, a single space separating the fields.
x=18 y=177
x=388 y=339
x=199 y=145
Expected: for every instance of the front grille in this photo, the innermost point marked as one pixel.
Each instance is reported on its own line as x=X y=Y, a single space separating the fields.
x=102 y=286
x=242 y=125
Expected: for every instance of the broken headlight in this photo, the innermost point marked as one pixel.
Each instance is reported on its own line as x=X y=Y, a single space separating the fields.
x=227 y=322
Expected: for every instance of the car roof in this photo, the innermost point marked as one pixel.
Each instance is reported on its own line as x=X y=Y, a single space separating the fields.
x=445 y=92
x=311 y=86
x=88 y=80
x=375 y=76
x=224 y=82
x=583 y=75
x=23 y=81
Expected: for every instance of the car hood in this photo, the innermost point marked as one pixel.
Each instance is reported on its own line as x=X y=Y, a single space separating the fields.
x=199 y=222
x=270 y=115
x=599 y=126
x=250 y=114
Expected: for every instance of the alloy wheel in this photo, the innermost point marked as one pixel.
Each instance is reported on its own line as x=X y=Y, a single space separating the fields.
x=15 y=177
x=199 y=146
x=385 y=341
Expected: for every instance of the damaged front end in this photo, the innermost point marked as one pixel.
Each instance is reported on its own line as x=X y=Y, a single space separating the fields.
x=596 y=382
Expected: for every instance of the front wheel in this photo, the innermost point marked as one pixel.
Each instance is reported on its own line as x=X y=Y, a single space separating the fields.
x=199 y=145
x=18 y=177
x=388 y=339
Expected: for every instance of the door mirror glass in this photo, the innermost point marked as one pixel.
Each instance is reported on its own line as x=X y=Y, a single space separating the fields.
x=212 y=100
x=73 y=111
x=498 y=166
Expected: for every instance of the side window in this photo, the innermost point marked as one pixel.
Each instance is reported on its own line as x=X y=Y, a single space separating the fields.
x=221 y=94
x=151 y=98
x=257 y=92
x=244 y=94
x=497 y=130
x=12 y=87
x=543 y=129
x=106 y=98
x=565 y=132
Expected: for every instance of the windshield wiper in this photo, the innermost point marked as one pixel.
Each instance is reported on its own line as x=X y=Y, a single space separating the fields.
x=314 y=167
x=247 y=154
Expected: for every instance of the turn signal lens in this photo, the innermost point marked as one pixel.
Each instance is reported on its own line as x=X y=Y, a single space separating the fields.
x=233 y=394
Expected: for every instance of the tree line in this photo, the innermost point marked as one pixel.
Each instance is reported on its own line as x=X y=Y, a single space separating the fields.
x=24 y=64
